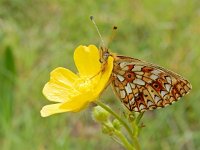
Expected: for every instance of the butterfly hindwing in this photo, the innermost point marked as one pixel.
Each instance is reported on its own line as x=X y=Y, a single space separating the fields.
x=144 y=86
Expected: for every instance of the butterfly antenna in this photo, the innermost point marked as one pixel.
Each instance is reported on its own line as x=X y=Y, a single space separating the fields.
x=102 y=41
x=113 y=34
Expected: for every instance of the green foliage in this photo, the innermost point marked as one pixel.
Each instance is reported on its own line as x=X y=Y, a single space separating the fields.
x=38 y=36
x=7 y=78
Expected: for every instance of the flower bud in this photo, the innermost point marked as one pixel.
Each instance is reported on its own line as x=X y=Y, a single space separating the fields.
x=100 y=114
x=108 y=129
x=117 y=124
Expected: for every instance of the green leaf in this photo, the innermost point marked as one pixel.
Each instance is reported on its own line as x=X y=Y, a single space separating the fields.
x=7 y=78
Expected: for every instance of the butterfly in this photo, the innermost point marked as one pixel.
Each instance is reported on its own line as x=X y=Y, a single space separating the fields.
x=140 y=85
x=143 y=86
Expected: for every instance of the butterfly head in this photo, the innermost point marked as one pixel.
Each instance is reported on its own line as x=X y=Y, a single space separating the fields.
x=104 y=54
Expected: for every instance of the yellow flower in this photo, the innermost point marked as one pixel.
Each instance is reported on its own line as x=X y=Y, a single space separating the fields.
x=73 y=92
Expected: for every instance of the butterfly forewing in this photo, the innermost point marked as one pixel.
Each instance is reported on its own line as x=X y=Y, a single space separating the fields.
x=143 y=86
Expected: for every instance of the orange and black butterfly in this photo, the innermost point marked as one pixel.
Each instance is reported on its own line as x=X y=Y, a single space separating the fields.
x=143 y=86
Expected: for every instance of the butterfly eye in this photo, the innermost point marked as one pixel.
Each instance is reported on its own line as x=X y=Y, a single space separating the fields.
x=106 y=55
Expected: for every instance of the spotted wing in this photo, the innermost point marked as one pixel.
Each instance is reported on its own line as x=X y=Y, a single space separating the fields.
x=144 y=86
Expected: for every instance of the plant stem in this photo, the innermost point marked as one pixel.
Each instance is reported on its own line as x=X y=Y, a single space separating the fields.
x=123 y=139
x=139 y=118
x=116 y=116
x=135 y=127
x=132 y=133
x=136 y=143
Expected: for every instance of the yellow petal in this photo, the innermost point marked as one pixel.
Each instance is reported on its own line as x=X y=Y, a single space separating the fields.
x=57 y=93
x=59 y=88
x=87 y=60
x=51 y=109
x=79 y=102
x=105 y=76
x=64 y=76
x=75 y=105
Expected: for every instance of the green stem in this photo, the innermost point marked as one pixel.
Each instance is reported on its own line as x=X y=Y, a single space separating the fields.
x=139 y=118
x=135 y=124
x=116 y=116
x=123 y=139
x=136 y=143
x=133 y=135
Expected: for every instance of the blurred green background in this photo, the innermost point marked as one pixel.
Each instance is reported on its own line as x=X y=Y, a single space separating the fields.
x=38 y=36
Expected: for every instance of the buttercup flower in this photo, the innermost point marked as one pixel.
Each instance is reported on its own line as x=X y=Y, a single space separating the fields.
x=73 y=92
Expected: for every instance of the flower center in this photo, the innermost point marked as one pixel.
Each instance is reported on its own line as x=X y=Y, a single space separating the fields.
x=84 y=84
